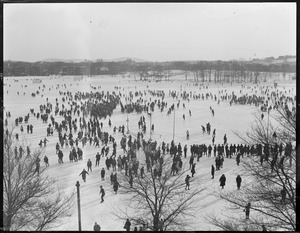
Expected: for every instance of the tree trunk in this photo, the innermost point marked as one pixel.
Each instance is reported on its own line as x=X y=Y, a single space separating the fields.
x=215 y=76
x=6 y=222
x=156 y=223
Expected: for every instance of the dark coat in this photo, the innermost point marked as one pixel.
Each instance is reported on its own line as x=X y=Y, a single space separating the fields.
x=222 y=180
x=212 y=170
x=127 y=225
x=102 y=173
x=193 y=169
x=247 y=209
x=238 y=180
x=187 y=180
x=98 y=157
x=97 y=227
x=83 y=173
x=89 y=163
x=102 y=192
x=116 y=186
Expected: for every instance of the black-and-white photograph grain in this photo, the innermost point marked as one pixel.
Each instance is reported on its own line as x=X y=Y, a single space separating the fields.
x=149 y=116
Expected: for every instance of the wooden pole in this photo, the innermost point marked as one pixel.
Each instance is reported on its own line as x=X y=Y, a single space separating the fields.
x=78 y=203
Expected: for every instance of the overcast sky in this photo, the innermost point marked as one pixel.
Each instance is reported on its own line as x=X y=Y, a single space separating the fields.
x=149 y=31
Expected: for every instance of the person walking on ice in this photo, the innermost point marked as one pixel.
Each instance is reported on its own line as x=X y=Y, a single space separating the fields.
x=222 y=181
x=45 y=142
x=37 y=166
x=193 y=169
x=127 y=225
x=283 y=195
x=83 y=174
x=97 y=227
x=102 y=174
x=191 y=161
x=102 y=192
x=185 y=150
x=187 y=182
x=97 y=159
x=238 y=182
x=212 y=171
x=225 y=139
x=46 y=161
x=89 y=165
x=116 y=186
x=238 y=158
x=247 y=210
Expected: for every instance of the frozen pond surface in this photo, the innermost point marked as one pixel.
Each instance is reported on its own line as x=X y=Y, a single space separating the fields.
x=225 y=120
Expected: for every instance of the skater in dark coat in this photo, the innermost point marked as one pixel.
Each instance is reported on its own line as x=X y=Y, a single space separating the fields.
x=107 y=163
x=283 y=195
x=193 y=170
x=28 y=151
x=225 y=139
x=222 y=181
x=46 y=161
x=187 y=182
x=97 y=159
x=238 y=181
x=89 y=165
x=102 y=173
x=247 y=210
x=57 y=147
x=131 y=181
x=191 y=161
x=213 y=171
x=83 y=173
x=185 y=150
x=111 y=178
x=238 y=158
x=16 y=153
x=127 y=225
x=37 y=166
x=97 y=227
x=142 y=172
x=116 y=186
x=102 y=192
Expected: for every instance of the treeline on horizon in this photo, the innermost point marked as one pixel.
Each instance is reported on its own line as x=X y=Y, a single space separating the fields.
x=42 y=68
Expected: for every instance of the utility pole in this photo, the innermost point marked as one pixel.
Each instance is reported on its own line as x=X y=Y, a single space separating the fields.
x=174 y=124
x=150 y=114
x=268 y=127
x=127 y=112
x=127 y=124
x=78 y=203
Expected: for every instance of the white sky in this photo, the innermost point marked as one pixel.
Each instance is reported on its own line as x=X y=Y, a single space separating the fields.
x=150 y=31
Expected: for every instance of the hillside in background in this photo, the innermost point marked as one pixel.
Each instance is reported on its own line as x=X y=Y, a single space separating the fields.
x=53 y=66
x=98 y=60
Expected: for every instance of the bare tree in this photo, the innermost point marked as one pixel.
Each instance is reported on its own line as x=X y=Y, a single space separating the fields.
x=30 y=199
x=160 y=200
x=265 y=179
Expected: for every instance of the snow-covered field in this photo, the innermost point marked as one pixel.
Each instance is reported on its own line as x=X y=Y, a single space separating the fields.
x=225 y=120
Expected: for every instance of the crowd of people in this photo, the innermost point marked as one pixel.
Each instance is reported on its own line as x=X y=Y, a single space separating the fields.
x=82 y=125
